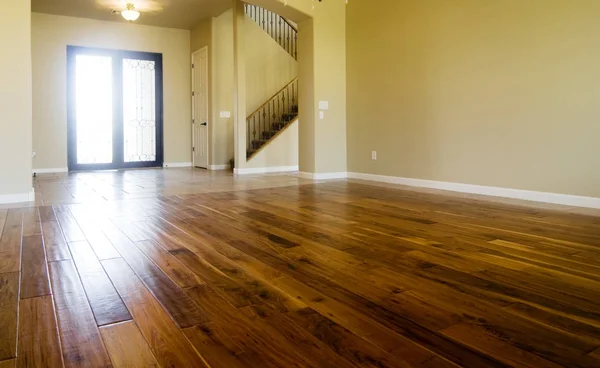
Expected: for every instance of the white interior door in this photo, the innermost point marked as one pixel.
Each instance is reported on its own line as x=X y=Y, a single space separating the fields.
x=200 y=107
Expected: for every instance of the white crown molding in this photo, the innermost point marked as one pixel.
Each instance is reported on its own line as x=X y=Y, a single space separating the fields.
x=17 y=197
x=51 y=170
x=177 y=164
x=322 y=176
x=218 y=167
x=265 y=170
x=527 y=195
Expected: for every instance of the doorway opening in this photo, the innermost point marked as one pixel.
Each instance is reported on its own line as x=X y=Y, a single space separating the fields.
x=115 y=109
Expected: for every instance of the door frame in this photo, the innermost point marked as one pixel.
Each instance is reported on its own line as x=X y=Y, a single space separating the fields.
x=208 y=120
x=118 y=143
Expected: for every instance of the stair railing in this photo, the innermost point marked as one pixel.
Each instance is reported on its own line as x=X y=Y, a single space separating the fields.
x=276 y=26
x=272 y=117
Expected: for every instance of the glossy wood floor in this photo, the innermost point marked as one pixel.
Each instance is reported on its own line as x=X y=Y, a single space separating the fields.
x=337 y=274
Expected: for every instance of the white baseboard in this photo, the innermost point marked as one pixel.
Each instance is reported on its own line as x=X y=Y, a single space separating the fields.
x=218 y=167
x=17 y=197
x=322 y=176
x=51 y=171
x=527 y=195
x=177 y=164
x=265 y=170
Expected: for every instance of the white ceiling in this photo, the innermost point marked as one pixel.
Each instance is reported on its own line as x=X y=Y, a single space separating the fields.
x=183 y=14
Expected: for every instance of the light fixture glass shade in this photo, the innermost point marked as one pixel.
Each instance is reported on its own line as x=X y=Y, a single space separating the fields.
x=130 y=13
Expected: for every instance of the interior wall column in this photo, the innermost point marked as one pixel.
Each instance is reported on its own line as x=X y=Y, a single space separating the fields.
x=16 y=103
x=239 y=89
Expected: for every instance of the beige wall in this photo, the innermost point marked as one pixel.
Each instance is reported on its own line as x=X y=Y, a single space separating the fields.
x=50 y=36
x=498 y=93
x=280 y=152
x=15 y=101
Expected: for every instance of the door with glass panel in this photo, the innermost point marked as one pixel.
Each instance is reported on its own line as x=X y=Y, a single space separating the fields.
x=114 y=109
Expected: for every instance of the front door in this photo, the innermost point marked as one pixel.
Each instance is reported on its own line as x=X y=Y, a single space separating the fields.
x=114 y=109
x=200 y=107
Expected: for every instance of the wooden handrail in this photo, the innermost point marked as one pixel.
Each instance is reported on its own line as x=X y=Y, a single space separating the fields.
x=290 y=24
x=272 y=97
x=276 y=26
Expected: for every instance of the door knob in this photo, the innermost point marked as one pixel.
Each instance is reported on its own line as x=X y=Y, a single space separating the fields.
x=203 y=124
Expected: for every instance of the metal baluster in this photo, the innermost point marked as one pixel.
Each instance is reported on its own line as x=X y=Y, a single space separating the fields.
x=282 y=109
x=274 y=115
x=293 y=97
x=254 y=132
x=285 y=36
x=264 y=123
x=279 y=30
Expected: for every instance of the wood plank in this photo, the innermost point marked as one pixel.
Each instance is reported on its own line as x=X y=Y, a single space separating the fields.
x=127 y=347
x=9 y=304
x=69 y=226
x=3 y=215
x=92 y=228
x=166 y=341
x=81 y=342
x=179 y=306
x=11 y=363
x=47 y=214
x=10 y=242
x=39 y=345
x=383 y=336
x=344 y=342
x=250 y=340
x=34 y=274
x=31 y=221
x=104 y=300
x=215 y=346
x=478 y=339
x=55 y=242
x=169 y=264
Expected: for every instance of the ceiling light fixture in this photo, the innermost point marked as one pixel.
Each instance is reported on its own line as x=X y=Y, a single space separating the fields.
x=130 y=13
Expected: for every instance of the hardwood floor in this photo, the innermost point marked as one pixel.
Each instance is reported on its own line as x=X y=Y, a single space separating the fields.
x=298 y=274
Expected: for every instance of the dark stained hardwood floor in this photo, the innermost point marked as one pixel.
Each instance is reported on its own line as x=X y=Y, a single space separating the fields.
x=335 y=274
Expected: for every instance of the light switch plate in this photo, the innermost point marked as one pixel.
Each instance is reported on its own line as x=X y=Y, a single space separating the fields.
x=225 y=114
x=323 y=105
x=321 y=115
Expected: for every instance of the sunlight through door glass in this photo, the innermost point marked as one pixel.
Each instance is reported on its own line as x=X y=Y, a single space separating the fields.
x=93 y=75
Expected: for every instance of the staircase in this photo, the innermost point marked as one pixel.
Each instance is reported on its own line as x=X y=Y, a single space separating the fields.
x=279 y=28
x=281 y=110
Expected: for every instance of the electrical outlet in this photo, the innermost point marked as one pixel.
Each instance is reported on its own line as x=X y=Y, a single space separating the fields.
x=374 y=155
